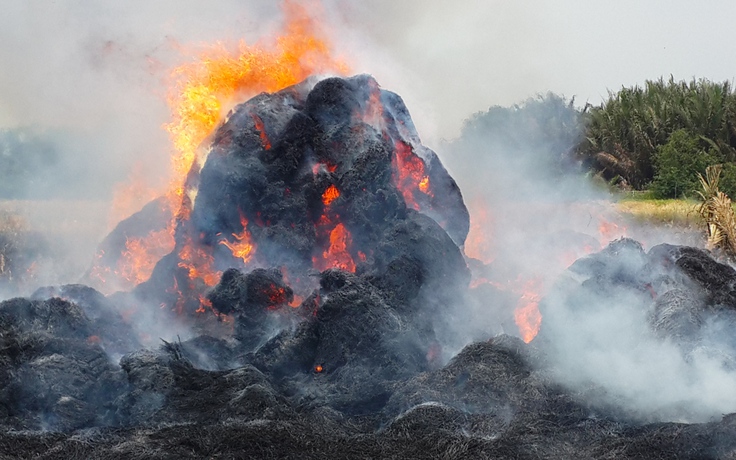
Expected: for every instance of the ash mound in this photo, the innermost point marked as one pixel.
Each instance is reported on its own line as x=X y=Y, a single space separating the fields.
x=316 y=257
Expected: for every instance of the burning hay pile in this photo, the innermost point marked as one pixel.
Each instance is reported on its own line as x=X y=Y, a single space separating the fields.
x=317 y=256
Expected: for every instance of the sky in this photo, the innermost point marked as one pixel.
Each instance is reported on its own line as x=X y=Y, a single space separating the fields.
x=99 y=69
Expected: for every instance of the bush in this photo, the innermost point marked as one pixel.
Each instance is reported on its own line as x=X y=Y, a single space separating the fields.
x=677 y=164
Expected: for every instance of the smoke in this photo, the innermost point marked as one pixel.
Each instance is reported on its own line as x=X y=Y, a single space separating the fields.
x=85 y=87
x=98 y=75
x=606 y=346
x=95 y=76
x=100 y=71
x=533 y=213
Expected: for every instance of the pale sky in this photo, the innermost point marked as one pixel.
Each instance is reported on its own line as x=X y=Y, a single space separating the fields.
x=99 y=67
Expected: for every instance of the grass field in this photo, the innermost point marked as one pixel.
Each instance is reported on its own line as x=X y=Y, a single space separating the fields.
x=52 y=241
x=680 y=213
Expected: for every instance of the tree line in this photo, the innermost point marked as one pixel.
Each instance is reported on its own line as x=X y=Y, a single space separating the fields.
x=654 y=137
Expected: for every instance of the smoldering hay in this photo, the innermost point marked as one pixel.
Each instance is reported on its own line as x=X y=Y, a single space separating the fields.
x=317 y=265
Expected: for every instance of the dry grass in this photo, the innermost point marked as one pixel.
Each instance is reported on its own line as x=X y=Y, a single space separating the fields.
x=680 y=213
x=718 y=213
x=50 y=241
x=13 y=229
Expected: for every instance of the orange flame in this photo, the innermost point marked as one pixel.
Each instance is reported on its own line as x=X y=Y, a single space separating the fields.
x=478 y=244
x=610 y=231
x=242 y=248
x=205 y=89
x=141 y=254
x=424 y=185
x=337 y=255
x=527 y=315
x=408 y=173
x=199 y=263
x=202 y=92
x=330 y=195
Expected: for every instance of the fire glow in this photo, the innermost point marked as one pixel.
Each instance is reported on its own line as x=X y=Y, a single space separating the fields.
x=527 y=315
x=409 y=174
x=243 y=247
x=337 y=254
x=202 y=91
x=330 y=195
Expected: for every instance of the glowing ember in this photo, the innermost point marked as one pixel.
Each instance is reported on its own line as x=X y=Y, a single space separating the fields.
x=242 y=248
x=320 y=167
x=261 y=128
x=478 y=244
x=337 y=255
x=610 y=231
x=141 y=254
x=318 y=368
x=276 y=295
x=296 y=302
x=408 y=173
x=199 y=263
x=202 y=93
x=424 y=185
x=330 y=195
x=527 y=315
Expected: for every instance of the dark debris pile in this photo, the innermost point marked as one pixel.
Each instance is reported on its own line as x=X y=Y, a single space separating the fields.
x=356 y=368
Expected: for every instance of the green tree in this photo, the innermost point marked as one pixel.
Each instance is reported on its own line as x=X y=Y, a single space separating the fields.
x=626 y=132
x=678 y=163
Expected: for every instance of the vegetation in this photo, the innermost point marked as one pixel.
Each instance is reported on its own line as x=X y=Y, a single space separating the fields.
x=678 y=212
x=629 y=137
x=679 y=162
x=12 y=233
x=547 y=128
x=717 y=212
x=656 y=137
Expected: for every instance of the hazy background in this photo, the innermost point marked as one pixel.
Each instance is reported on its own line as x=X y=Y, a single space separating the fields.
x=98 y=70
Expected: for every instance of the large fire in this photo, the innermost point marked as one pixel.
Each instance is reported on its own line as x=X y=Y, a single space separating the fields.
x=203 y=91
x=222 y=75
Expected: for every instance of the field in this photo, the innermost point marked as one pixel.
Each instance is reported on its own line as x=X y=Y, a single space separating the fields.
x=48 y=242
x=679 y=213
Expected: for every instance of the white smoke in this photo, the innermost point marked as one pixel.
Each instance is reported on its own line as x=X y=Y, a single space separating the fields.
x=604 y=348
x=98 y=72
